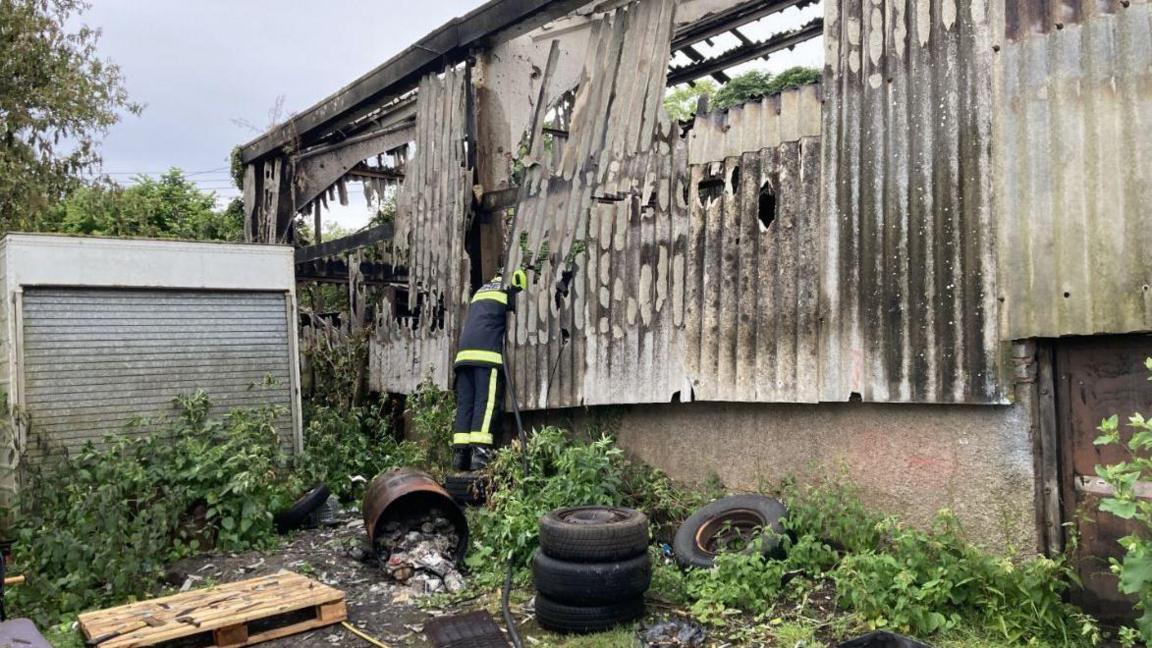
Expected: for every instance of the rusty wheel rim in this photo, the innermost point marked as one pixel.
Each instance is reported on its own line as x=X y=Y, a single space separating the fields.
x=731 y=531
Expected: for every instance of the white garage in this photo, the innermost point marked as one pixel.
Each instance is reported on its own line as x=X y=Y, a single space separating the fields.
x=97 y=332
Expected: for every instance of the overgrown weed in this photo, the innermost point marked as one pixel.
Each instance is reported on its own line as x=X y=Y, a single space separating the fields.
x=561 y=472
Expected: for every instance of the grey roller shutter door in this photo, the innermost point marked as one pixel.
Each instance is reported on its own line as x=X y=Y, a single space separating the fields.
x=95 y=359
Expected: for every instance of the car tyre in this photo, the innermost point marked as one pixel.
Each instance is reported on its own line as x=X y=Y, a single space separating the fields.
x=594 y=534
x=572 y=619
x=584 y=584
x=700 y=538
x=295 y=516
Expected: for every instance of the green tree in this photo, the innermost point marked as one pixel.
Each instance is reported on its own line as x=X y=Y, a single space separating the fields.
x=170 y=206
x=680 y=103
x=757 y=83
x=57 y=98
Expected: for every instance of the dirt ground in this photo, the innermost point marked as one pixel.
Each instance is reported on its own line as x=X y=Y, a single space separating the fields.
x=376 y=605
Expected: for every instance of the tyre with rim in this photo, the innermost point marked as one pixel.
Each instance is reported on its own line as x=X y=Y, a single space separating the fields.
x=730 y=524
x=594 y=533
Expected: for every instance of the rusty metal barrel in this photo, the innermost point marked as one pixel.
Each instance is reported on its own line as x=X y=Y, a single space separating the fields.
x=405 y=493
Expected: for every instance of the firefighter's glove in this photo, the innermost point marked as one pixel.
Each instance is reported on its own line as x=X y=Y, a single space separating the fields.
x=519 y=280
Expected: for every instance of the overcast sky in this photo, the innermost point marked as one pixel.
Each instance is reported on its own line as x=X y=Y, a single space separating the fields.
x=211 y=72
x=202 y=66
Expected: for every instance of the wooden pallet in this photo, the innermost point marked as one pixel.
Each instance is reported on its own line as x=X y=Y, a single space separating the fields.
x=228 y=612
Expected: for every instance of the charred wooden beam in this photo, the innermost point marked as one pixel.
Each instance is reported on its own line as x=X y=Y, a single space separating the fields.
x=364 y=238
x=337 y=271
x=499 y=200
x=447 y=45
x=724 y=21
x=364 y=171
x=317 y=170
x=743 y=53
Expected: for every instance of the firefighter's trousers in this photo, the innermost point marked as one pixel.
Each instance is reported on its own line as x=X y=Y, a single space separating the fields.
x=479 y=400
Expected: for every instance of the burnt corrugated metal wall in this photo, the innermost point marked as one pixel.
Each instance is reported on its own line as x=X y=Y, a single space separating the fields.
x=679 y=290
x=908 y=298
x=1073 y=167
x=873 y=274
x=432 y=217
x=751 y=329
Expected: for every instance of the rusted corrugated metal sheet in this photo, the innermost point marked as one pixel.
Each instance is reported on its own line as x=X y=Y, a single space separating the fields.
x=432 y=216
x=908 y=301
x=1073 y=158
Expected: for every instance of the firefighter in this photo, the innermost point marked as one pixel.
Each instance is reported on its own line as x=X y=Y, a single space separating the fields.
x=479 y=371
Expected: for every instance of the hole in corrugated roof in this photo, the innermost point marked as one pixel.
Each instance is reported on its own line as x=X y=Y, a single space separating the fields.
x=766 y=212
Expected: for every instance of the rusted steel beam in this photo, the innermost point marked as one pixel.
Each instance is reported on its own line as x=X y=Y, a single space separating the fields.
x=361 y=239
x=445 y=46
x=743 y=53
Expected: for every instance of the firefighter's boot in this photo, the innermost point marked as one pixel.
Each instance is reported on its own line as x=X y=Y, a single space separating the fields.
x=481 y=455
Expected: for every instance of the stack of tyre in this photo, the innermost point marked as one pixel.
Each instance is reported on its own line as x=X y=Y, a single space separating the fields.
x=592 y=568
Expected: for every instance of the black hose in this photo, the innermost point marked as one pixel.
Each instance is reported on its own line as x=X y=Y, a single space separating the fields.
x=516 y=411
x=513 y=633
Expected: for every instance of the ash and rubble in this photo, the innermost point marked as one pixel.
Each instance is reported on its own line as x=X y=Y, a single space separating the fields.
x=418 y=552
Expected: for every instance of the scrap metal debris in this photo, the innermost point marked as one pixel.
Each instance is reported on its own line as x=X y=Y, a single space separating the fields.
x=418 y=552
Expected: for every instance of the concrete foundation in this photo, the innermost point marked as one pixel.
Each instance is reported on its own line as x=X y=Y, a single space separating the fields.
x=908 y=460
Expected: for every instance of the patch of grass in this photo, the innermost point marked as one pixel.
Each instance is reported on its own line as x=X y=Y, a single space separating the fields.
x=624 y=637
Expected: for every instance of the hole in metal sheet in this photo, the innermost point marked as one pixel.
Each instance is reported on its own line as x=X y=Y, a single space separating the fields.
x=734 y=180
x=709 y=188
x=1067 y=295
x=766 y=211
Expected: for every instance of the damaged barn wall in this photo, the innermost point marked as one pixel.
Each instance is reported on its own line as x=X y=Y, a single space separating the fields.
x=433 y=209
x=619 y=150
x=750 y=327
x=678 y=288
x=507 y=85
x=1073 y=162
x=908 y=298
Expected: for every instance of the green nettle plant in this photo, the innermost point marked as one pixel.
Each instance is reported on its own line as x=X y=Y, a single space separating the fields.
x=1135 y=569
x=99 y=528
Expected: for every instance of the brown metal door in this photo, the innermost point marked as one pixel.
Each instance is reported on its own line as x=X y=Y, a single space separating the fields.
x=1097 y=377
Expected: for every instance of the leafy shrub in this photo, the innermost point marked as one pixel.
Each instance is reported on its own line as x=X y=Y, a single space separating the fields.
x=1135 y=569
x=925 y=582
x=99 y=529
x=833 y=512
x=341 y=444
x=561 y=472
x=919 y=582
x=431 y=413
